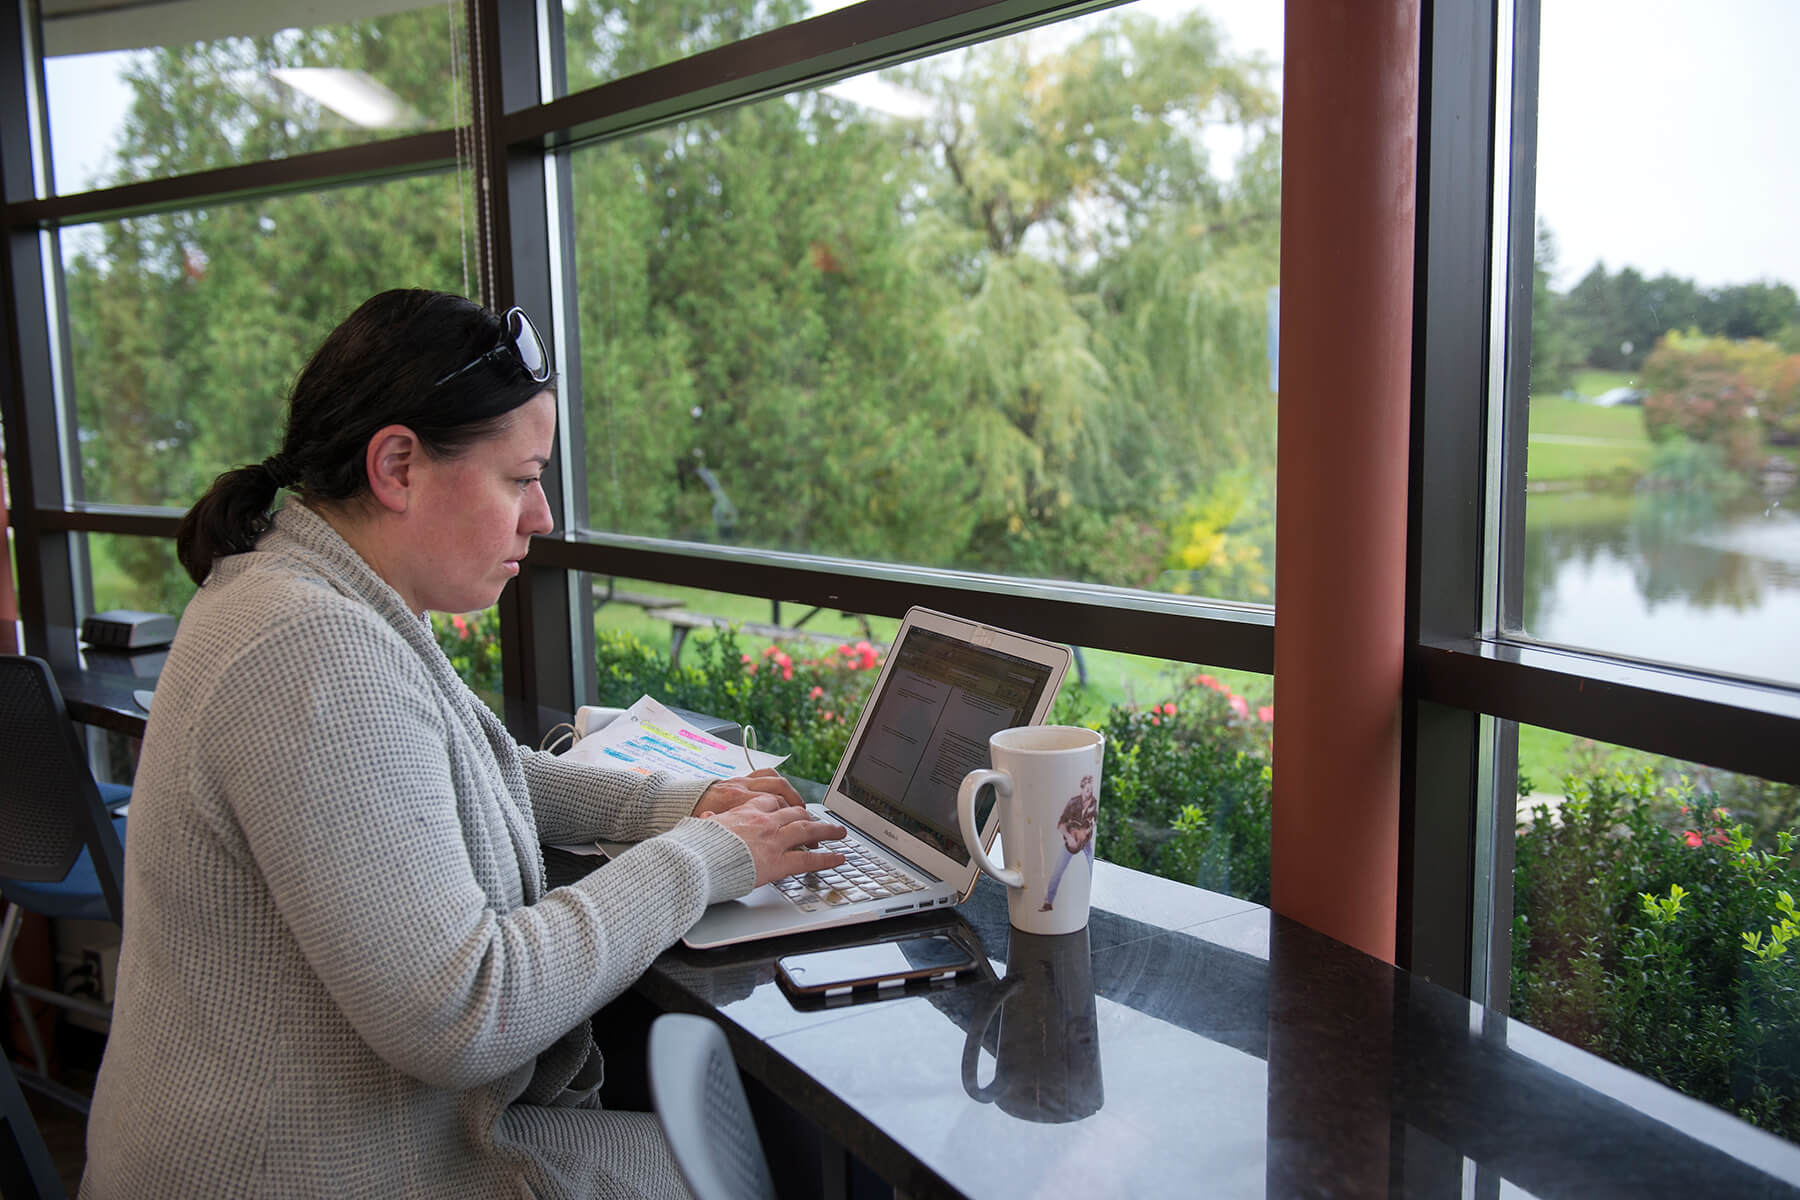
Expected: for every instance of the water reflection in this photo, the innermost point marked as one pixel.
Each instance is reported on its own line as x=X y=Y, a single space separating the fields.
x=1670 y=576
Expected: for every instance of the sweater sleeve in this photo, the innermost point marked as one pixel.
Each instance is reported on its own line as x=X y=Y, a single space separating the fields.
x=337 y=764
x=579 y=802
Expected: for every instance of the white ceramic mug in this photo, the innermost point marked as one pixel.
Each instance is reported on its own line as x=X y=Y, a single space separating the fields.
x=1047 y=782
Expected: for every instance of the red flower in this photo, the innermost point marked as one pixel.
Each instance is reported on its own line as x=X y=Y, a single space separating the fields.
x=1692 y=837
x=1169 y=709
x=1209 y=682
x=815 y=693
x=1240 y=706
x=768 y=651
x=785 y=663
x=461 y=626
x=1156 y=720
x=1718 y=837
x=787 y=670
x=1266 y=714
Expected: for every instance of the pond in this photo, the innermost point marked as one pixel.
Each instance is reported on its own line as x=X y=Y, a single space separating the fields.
x=1668 y=577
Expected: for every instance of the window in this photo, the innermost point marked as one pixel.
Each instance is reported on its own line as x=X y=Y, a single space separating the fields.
x=187 y=328
x=163 y=89
x=1660 y=513
x=1004 y=309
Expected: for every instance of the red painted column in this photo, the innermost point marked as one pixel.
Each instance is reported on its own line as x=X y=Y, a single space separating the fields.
x=1349 y=162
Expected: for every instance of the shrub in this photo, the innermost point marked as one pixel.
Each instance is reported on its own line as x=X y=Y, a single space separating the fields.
x=1655 y=946
x=1185 y=790
x=472 y=644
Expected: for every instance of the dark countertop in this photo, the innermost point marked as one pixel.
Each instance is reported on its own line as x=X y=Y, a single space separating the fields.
x=1192 y=1044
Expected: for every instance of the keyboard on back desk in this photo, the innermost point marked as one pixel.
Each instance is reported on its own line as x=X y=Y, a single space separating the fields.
x=863 y=876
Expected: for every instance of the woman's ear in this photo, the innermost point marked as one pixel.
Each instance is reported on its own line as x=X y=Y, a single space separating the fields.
x=390 y=457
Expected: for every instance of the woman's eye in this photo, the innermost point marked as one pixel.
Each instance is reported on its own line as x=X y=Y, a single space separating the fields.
x=525 y=484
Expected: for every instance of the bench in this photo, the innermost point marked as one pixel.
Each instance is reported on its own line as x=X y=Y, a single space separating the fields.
x=682 y=622
x=606 y=593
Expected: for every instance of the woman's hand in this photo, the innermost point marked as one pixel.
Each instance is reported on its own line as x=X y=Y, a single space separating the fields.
x=779 y=839
x=763 y=790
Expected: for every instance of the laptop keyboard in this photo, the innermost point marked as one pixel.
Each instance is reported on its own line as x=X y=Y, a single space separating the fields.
x=864 y=876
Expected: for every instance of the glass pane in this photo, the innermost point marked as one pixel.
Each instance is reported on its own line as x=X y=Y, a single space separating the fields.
x=1006 y=309
x=1184 y=789
x=1660 y=518
x=138 y=573
x=607 y=41
x=1654 y=920
x=186 y=329
x=149 y=91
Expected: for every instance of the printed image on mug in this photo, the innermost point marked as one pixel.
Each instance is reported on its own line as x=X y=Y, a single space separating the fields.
x=1046 y=781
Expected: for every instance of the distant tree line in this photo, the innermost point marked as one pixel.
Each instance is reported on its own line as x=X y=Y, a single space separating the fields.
x=1613 y=320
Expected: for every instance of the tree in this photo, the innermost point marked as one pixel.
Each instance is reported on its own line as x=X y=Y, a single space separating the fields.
x=1553 y=350
x=1023 y=333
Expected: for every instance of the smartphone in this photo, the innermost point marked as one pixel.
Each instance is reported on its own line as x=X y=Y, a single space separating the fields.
x=874 y=965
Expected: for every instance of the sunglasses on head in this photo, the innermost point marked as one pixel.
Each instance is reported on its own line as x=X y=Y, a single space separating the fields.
x=520 y=342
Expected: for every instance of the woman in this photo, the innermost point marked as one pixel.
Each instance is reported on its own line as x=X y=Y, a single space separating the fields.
x=342 y=973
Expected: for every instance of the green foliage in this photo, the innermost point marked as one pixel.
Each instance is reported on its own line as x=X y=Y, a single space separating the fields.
x=1652 y=944
x=1705 y=389
x=1185 y=790
x=1554 y=352
x=1021 y=332
x=472 y=644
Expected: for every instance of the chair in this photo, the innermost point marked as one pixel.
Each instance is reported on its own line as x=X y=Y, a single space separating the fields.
x=61 y=850
x=27 y=1172
x=700 y=1101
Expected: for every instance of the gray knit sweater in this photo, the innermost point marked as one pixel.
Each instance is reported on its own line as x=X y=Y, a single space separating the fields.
x=342 y=974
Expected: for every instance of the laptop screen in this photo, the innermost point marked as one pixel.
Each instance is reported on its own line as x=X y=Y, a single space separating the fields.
x=929 y=726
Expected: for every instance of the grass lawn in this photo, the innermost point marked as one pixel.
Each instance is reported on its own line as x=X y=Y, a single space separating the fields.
x=1575 y=442
x=1112 y=678
x=1591 y=381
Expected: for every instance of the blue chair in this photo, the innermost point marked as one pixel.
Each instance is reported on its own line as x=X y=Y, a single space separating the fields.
x=700 y=1101
x=62 y=852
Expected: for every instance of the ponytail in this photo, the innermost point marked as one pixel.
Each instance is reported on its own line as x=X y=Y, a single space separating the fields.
x=230 y=517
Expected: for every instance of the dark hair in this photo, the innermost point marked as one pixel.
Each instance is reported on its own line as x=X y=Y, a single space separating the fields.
x=380 y=367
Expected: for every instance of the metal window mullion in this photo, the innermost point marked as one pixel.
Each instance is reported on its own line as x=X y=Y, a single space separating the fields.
x=1442 y=813
x=46 y=596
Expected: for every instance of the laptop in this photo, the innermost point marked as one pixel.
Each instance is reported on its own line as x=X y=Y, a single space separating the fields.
x=948 y=683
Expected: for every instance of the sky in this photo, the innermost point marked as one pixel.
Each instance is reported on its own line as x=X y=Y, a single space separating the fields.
x=1664 y=130
x=1666 y=138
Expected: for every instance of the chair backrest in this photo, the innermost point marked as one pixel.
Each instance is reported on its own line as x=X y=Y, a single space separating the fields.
x=700 y=1102
x=49 y=805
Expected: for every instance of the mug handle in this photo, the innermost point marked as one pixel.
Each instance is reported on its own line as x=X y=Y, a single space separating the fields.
x=965 y=817
x=972 y=1046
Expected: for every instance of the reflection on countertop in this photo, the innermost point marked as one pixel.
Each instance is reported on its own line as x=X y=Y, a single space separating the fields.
x=1188 y=1043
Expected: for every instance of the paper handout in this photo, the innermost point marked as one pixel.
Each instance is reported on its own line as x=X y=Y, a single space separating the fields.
x=649 y=737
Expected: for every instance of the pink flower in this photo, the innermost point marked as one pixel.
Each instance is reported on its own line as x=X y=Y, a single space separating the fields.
x=768 y=651
x=1240 y=706
x=461 y=626
x=815 y=693
x=845 y=650
x=1266 y=714
x=1156 y=720
x=1169 y=709
x=1207 y=681
x=787 y=670
x=1718 y=837
x=745 y=658
x=1692 y=837
x=786 y=663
